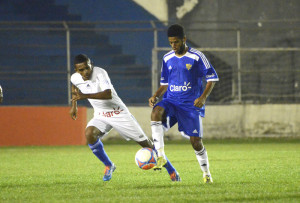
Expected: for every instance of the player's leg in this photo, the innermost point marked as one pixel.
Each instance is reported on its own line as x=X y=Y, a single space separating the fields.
x=202 y=158
x=146 y=143
x=129 y=128
x=190 y=124
x=158 y=122
x=93 y=134
x=157 y=116
x=174 y=175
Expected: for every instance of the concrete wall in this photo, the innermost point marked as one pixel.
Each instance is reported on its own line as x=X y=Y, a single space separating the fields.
x=252 y=121
x=41 y=125
x=232 y=121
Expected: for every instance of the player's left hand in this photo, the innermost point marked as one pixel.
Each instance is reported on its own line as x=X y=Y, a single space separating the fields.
x=73 y=113
x=199 y=102
x=152 y=101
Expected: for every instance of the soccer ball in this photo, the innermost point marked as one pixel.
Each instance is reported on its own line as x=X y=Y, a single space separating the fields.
x=145 y=158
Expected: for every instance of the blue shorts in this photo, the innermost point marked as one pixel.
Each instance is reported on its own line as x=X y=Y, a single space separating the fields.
x=188 y=118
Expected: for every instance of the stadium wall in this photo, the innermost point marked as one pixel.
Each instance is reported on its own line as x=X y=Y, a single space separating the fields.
x=232 y=121
x=21 y=126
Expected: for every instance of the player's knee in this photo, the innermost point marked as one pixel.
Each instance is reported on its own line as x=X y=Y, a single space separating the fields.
x=91 y=135
x=90 y=138
x=197 y=143
x=157 y=113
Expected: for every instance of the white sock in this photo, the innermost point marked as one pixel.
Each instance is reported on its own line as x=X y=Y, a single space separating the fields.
x=203 y=161
x=158 y=137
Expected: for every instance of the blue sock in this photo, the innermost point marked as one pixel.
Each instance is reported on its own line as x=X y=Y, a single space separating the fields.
x=98 y=150
x=168 y=165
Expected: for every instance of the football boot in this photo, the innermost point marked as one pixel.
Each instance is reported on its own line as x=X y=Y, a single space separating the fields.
x=161 y=161
x=108 y=172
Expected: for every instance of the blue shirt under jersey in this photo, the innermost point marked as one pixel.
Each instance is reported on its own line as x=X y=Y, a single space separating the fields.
x=184 y=75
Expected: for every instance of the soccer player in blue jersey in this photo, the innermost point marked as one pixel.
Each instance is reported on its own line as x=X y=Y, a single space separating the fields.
x=183 y=101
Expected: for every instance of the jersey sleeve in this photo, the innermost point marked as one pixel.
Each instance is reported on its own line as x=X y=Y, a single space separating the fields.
x=104 y=80
x=207 y=70
x=164 y=74
x=211 y=74
x=77 y=80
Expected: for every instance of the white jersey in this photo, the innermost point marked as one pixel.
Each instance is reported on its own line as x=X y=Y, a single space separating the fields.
x=99 y=82
x=108 y=113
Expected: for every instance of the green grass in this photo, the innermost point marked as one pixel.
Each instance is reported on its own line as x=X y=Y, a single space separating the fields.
x=243 y=171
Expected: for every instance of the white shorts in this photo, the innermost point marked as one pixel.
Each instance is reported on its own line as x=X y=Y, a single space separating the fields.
x=124 y=123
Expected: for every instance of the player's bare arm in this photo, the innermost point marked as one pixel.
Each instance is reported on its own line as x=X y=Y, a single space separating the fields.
x=161 y=91
x=199 y=102
x=104 y=95
x=74 y=109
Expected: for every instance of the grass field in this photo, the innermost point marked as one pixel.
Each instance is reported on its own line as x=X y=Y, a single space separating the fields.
x=243 y=171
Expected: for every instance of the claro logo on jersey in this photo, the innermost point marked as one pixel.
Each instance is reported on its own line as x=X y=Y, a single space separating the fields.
x=210 y=76
x=112 y=113
x=181 y=88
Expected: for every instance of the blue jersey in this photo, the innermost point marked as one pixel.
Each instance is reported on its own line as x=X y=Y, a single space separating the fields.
x=184 y=75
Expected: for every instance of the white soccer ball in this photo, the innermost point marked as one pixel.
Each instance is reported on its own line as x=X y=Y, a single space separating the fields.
x=145 y=158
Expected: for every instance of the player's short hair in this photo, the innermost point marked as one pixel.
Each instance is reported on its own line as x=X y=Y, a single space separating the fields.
x=176 y=30
x=81 y=58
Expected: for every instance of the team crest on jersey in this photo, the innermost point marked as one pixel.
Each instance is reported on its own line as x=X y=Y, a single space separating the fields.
x=188 y=66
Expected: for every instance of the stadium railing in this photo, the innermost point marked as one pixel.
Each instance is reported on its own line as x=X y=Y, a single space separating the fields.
x=257 y=62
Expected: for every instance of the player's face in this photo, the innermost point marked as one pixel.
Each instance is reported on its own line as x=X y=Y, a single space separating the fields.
x=177 y=44
x=84 y=69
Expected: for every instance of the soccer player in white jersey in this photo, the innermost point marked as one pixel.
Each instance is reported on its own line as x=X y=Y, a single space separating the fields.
x=183 y=97
x=93 y=83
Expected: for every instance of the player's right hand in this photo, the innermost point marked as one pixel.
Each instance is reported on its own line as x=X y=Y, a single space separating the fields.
x=73 y=113
x=152 y=101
